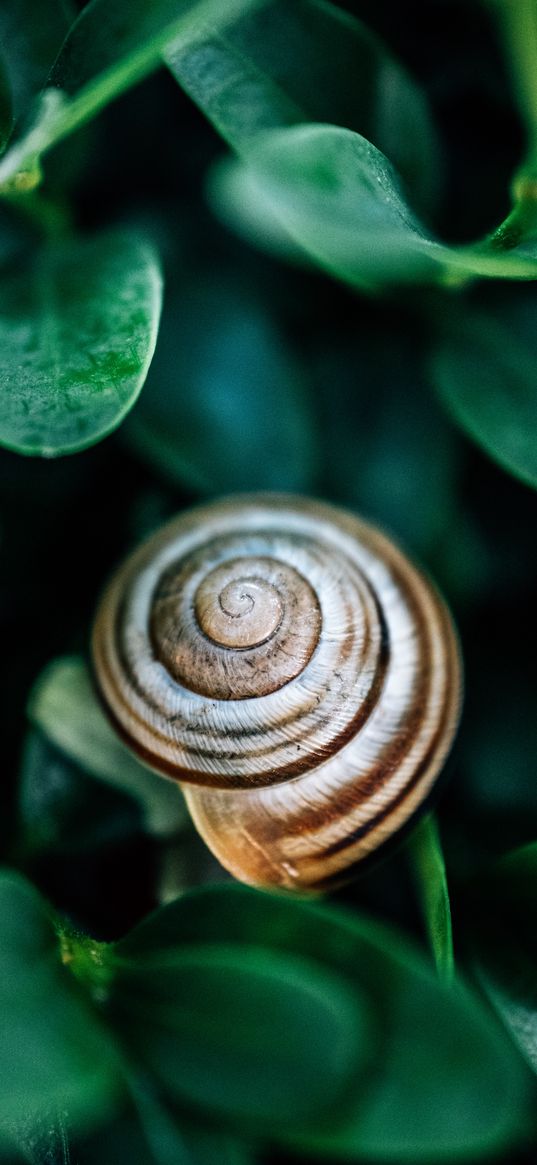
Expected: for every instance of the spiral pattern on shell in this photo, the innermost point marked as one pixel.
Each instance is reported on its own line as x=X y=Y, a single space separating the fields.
x=287 y=662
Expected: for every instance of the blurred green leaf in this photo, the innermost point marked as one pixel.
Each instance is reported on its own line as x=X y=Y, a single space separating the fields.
x=6 y=109
x=64 y=706
x=31 y=36
x=225 y=407
x=176 y=1141
x=240 y=206
x=483 y=366
x=340 y=199
x=78 y=328
x=63 y=809
x=109 y=48
x=260 y=1037
x=53 y=1051
x=501 y=732
x=157 y=1136
x=308 y=61
x=504 y=938
x=444 y=1081
x=388 y=449
x=428 y=860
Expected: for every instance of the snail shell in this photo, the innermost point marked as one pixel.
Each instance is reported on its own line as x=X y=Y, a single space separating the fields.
x=287 y=662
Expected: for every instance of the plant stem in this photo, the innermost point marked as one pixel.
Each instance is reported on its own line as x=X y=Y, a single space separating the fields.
x=430 y=875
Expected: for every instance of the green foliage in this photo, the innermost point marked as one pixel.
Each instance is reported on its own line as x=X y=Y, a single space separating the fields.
x=340 y=199
x=225 y=407
x=6 y=114
x=434 y=1064
x=308 y=61
x=29 y=46
x=107 y=50
x=252 y=1035
x=54 y=1053
x=505 y=945
x=77 y=331
x=342 y=335
x=484 y=368
x=301 y=1022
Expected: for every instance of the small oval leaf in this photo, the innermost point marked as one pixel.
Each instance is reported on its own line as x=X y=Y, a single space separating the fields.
x=255 y=1035
x=78 y=328
x=443 y=1080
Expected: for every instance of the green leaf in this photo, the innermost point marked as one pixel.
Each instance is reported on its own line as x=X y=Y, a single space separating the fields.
x=78 y=329
x=443 y=1082
x=340 y=199
x=505 y=943
x=54 y=1052
x=240 y=206
x=109 y=48
x=6 y=109
x=64 y=811
x=483 y=366
x=176 y=1141
x=64 y=706
x=430 y=870
x=31 y=36
x=307 y=61
x=256 y=1036
x=379 y=422
x=225 y=407
x=156 y=1136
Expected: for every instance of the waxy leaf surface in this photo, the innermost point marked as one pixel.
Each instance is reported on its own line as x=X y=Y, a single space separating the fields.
x=78 y=327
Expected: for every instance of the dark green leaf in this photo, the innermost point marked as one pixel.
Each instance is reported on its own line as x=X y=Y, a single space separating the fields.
x=109 y=48
x=157 y=1136
x=62 y=810
x=483 y=366
x=176 y=1141
x=307 y=61
x=31 y=37
x=225 y=407
x=64 y=706
x=505 y=940
x=444 y=1081
x=252 y=1035
x=53 y=1051
x=78 y=328
x=379 y=423
x=6 y=108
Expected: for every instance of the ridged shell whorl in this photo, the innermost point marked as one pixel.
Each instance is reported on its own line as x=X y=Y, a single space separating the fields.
x=289 y=664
